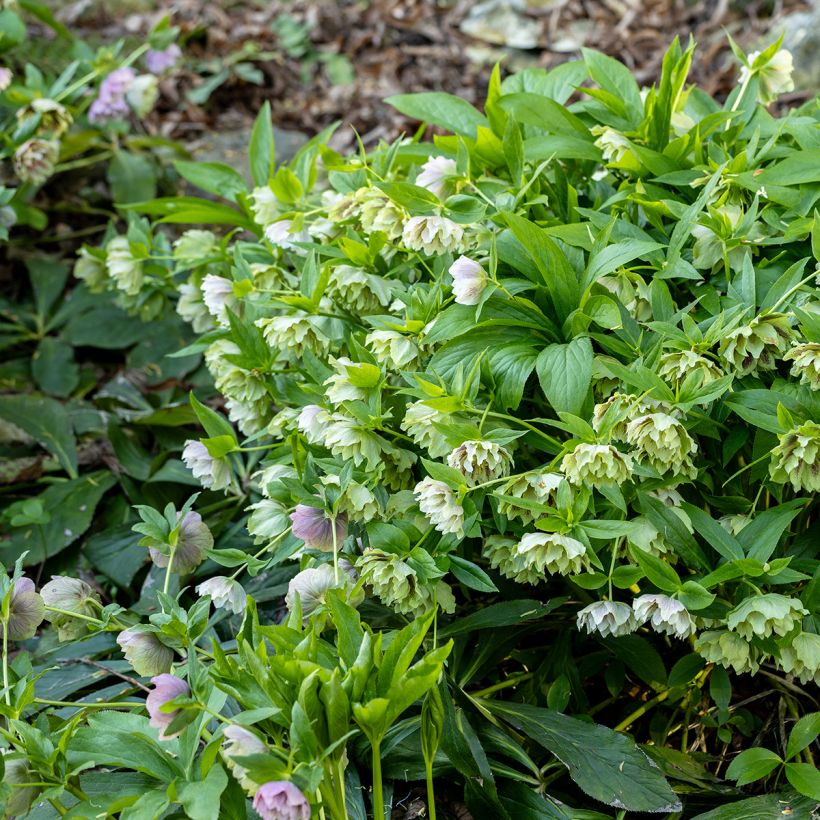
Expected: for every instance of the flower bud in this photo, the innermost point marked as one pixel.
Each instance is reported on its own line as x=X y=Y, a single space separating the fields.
x=225 y=593
x=316 y=528
x=16 y=773
x=26 y=610
x=240 y=742
x=378 y=213
x=193 y=539
x=312 y=584
x=292 y=335
x=166 y=688
x=142 y=94
x=775 y=75
x=391 y=349
x=607 y=618
x=419 y=423
x=359 y=291
x=438 y=502
x=55 y=119
x=281 y=800
x=111 y=102
x=434 y=175
x=91 y=270
x=677 y=365
x=502 y=553
x=72 y=595
x=537 y=487
x=469 y=280
x=218 y=296
x=144 y=651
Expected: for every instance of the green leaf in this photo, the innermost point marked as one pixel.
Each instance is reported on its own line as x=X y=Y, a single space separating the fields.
x=693 y=596
x=761 y=536
x=805 y=777
x=213 y=177
x=658 y=571
x=132 y=177
x=604 y=764
x=54 y=368
x=71 y=505
x=565 y=374
x=200 y=798
x=803 y=733
x=217 y=426
x=723 y=542
x=193 y=210
x=48 y=279
x=507 y=613
x=441 y=109
x=752 y=764
x=262 y=151
x=47 y=421
x=616 y=80
x=471 y=575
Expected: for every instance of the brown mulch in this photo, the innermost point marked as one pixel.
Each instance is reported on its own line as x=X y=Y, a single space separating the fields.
x=399 y=46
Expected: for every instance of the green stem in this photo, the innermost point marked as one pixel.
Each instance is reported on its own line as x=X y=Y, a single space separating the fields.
x=261 y=552
x=77 y=615
x=504 y=684
x=81 y=705
x=642 y=710
x=167 y=585
x=6 y=663
x=378 y=794
x=431 y=797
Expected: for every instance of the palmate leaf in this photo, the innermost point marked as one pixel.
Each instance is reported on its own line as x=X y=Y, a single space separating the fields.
x=604 y=764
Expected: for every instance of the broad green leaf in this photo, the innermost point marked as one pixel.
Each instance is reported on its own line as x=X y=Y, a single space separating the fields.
x=752 y=764
x=604 y=764
x=47 y=421
x=805 y=777
x=441 y=109
x=803 y=733
x=54 y=368
x=565 y=374
x=213 y=177
x=471 y=575
x=262 y=152
x=132 y=177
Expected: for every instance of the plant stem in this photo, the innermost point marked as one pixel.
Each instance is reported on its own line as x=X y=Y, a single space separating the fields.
x=504 y=684
x=642 y=710
x=378 y=795
x=81 y=705
x=6 y=663
x=167 y=584
x=431 y=797
x=77 y=615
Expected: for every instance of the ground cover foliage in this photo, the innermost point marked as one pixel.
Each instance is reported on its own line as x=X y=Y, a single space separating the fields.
x=508 y=503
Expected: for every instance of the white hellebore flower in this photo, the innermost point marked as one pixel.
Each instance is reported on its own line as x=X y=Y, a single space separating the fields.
x=226 y=593
x=280 y=234
x=123 y=268
x=432 y=234
x=775 y=75
x=312 y=421
x=607 y=618
x=469 y=280
x=551 y=552
x=434 y=173
x=218 y=296
x=480 y=461
x=213 y=473
x=664 y=614
x=438 y=502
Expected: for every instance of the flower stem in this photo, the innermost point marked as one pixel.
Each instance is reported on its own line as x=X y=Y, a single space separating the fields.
x=77 y=615
x=431 y=797
x=642 y=710
x=80 y=705
x=166 y=586
x=378 y=795
x=6 y=663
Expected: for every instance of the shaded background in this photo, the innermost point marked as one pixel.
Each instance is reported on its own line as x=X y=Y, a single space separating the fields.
x=318 y=61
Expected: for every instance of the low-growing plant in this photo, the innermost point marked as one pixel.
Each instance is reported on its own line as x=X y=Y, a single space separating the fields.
x=532 y=408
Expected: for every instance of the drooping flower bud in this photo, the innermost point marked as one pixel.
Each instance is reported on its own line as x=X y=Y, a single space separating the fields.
x=225 y=593
x=71 y=595
x=435 y=174
x=193 y=539
x=503 y=555
x=122 y=267
x=802 y=657
x=537 y=487
x=775 y=74
x=159 y=60
x=144 y=651
x=469 y=280
x=26 y=610
x=166 y=688
x=663 y=442
x=316 y=528
x=239 y=742
x=218 y=296
x=311 y=585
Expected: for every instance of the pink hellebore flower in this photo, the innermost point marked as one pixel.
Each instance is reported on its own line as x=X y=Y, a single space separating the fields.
x=314 y=527
x=166 y=688
x=281 y=800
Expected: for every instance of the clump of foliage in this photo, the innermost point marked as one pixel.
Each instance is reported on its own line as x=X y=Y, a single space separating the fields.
x=527 y=417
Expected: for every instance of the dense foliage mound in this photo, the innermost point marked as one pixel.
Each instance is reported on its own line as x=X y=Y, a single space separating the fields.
x=532 y=409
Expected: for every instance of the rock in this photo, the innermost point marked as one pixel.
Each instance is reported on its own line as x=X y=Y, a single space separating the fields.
x=502 y=22
x=801 y=36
